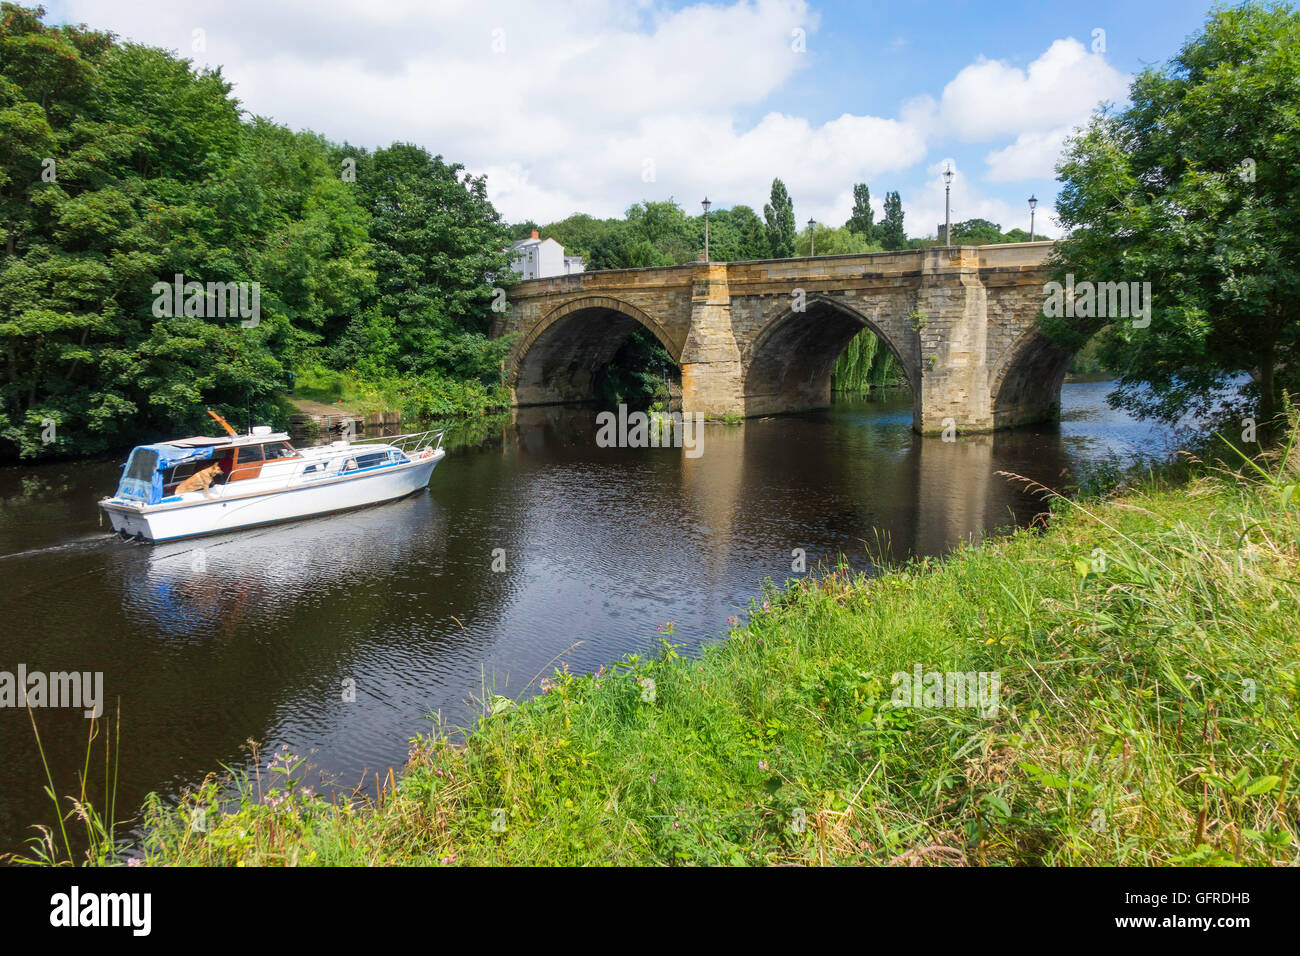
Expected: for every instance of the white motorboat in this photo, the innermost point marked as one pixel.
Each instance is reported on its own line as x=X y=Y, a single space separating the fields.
x=263 y=480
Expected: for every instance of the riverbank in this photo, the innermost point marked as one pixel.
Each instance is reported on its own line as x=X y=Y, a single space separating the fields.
x=414 y=397
x=1143 y=652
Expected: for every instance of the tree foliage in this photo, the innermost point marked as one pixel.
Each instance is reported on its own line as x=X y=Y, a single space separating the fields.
x=865 y=363
x=890 y=232
x=1193 y=188
x=833 y=241
x=862 y=220
x=122 y=166
x=778 y=216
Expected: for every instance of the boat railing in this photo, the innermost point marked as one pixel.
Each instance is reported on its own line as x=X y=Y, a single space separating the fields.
x=410 y=443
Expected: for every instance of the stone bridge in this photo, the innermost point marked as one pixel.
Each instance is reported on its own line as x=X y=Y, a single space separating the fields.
x=758 y=338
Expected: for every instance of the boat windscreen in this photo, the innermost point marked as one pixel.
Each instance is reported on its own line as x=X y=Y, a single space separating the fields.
x=142 y=476
x=137 y=479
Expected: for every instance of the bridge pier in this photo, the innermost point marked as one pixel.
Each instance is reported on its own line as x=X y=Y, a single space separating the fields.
x=951 y=322
x=713 y=375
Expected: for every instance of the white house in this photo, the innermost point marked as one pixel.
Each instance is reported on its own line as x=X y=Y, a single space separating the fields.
x=536 y=258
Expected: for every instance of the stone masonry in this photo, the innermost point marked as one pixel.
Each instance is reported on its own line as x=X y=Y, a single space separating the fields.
x=760 y=338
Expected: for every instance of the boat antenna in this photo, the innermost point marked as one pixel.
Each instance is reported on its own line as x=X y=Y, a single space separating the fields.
x=224 y=424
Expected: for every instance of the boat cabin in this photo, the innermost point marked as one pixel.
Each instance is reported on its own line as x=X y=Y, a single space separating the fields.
x=153 y=472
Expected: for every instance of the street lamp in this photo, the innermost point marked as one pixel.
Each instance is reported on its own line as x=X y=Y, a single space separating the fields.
x=706 y=204
x=1033 y=202
x=947 y=215
x=811 y=250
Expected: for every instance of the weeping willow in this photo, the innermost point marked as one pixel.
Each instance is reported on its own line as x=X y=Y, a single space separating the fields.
x=864 y=364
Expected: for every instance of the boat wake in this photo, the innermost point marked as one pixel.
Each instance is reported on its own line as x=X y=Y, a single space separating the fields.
x=87 y=543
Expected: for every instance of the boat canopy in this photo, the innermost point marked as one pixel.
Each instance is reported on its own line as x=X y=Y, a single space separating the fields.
x=142 y=475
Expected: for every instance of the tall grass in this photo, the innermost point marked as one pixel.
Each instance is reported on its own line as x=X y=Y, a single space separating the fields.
x=97 y=841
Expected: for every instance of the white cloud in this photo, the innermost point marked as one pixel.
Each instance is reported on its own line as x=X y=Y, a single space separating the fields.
x=1032 y=156
x=991 y=98
x=562 y=106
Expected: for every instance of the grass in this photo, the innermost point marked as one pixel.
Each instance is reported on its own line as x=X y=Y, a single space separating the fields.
x=329 y=386
x=1146 y=648
x=417 y=398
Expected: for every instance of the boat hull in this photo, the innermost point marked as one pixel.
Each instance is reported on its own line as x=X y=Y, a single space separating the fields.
x=228 y=511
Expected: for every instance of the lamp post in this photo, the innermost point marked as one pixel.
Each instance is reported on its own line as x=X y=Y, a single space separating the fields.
x=706 y=204
x=1033 y=202
x=811 y=249
x=947 y=214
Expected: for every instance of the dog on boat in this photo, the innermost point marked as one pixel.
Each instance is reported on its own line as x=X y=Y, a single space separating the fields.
x=200 y=479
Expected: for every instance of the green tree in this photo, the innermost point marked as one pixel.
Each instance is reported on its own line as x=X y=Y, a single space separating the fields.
x=778 y=216
x=522 y=230
x=134 y=142
x=834 y=241
x=862 y=220
x=865 y=363
x=664 y=227
x=578 y=233
x=751 y=236
x=1193 y=188
x=439 y=254
x=890 y=233
x=976 y=232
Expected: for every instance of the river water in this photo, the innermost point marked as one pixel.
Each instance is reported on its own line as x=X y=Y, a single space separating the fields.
x=261 y=634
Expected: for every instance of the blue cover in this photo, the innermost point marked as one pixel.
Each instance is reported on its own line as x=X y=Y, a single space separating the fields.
x=142 y=475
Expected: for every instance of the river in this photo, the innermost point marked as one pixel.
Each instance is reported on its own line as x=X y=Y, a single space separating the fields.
x=263 y=634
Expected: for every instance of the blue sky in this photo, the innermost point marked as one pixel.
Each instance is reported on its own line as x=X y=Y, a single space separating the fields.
x=870 y=57
x=592 y=105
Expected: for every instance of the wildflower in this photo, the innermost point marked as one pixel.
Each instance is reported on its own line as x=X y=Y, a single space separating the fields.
x=653 y=778
x=762 y=765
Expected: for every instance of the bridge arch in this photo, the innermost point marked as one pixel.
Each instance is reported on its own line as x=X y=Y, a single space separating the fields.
x=558 y=360
x=1026 y=385
x=789 y=365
